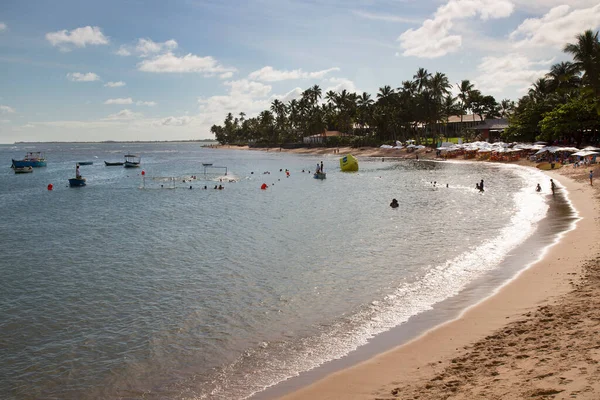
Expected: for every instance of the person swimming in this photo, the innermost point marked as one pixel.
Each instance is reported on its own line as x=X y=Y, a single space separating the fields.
x=394 y=203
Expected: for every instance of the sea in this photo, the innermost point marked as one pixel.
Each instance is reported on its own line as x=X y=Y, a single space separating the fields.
x=144 y=284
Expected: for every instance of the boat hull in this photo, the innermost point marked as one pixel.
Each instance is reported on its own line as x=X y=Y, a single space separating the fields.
x=28 y=163
x=349 y=163
x=23 y=170
x=85 y=163
x=320 y=175
x=113 y=164
x=129 y=164
x=77 y=182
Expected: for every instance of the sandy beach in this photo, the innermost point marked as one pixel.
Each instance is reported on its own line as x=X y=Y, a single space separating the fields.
x=536 y=337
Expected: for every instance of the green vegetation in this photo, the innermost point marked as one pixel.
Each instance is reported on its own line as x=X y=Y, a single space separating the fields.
x=419 y=110
x=565 y=104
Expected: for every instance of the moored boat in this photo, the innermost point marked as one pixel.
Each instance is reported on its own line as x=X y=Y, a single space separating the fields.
x=33 y=159
x=85 y=163
x=76 y=182
x=113 y=164
x=132 y=161
x=320 y=175
x=23 y=170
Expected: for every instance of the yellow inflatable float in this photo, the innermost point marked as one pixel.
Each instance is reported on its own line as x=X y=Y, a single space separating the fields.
x=348 y=163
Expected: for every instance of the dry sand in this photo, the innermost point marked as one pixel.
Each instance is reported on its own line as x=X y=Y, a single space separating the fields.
x=537 y=337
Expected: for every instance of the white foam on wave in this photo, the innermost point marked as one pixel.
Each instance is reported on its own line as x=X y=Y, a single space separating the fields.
x=436 y=285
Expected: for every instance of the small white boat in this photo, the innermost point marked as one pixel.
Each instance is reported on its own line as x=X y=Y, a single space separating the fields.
x=23 y=170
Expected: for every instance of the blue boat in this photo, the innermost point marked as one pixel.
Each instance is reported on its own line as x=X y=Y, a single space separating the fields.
x=77 y=182
x=320 y=175
x=32 y=159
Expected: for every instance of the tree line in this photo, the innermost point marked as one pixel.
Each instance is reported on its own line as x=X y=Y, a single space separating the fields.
x=419 y=110
x=564 y=105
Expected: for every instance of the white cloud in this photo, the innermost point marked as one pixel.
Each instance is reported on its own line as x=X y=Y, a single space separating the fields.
x=125 y=114
x=510 y=70
x=435 y=39
x=6 y=109
x=176 y=121
x=269 y=74
x=226 y=75
x=557 y=27
x=540 y=6
x=146 y=47
x=341 y=84
x=384 y=17
x=115 y=84
x=3 y=27
x=79 y=77
x=169 y=62
x=119 y=101
x=244 y=86
x=79 y=37
x=146 y=103
x=295 y=93
x=123 y=51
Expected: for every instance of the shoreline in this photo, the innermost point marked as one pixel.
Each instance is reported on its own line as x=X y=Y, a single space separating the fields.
x=415 y=366
x=512 y=341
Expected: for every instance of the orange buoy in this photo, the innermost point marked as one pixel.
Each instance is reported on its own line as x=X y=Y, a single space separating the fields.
x=50 y=186
x=264 y=186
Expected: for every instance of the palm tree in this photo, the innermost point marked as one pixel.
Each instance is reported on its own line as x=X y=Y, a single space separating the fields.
x=586 y=53
x=464 y=88
x=421 y=77
x=507 y=107
x=563 y=76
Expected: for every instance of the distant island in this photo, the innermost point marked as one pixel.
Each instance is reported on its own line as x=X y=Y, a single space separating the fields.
x=129 y=141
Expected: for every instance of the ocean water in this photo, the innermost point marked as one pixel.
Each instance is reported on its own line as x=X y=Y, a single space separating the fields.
x=139 y=287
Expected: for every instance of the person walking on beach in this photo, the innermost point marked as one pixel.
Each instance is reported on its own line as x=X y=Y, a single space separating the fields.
x=591 y=177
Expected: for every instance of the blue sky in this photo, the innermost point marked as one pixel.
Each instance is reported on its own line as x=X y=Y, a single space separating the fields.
x=166 y=70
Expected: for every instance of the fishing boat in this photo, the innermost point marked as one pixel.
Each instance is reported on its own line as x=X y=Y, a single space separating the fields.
x=320 y=175
x=113 y=164
x=33 y=159
x=349 y=163
x=132 y=161
x=77 y=182
x=23 y=170
x=85 y=163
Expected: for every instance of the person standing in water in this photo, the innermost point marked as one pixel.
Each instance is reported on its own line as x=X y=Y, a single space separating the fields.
x=552 y=186
x=538 y=188
x=322 y=167
x=481 y=186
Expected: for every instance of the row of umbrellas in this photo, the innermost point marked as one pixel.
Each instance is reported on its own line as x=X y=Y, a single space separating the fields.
x=502 y=147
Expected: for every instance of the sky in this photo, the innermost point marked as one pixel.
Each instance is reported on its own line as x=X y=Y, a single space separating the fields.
x=168 y=70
